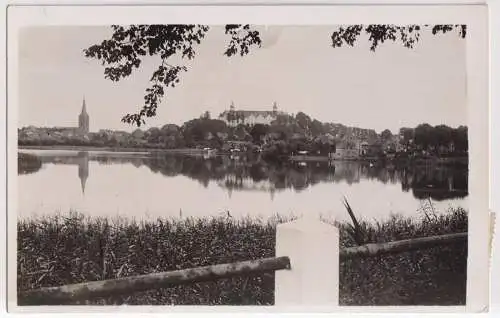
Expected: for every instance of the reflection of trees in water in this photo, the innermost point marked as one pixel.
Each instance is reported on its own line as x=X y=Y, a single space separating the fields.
x=425 y=181
x=80 y=159
x=27 y=163
x=254 y=174
x=439 y=184
x=383 y=173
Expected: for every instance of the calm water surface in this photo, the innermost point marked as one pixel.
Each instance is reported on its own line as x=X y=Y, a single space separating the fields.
x=143 y=186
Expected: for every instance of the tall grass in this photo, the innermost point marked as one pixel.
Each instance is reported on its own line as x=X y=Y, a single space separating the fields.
x=64 y=249
x=435 y=276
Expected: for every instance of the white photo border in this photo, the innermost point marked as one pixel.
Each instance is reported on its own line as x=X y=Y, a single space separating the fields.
x=476 y=18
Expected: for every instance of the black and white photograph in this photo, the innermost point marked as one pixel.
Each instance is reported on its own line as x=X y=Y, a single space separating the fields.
x=243 y=165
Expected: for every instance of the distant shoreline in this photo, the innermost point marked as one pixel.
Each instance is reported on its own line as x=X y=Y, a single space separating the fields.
x=325 y=158
x=299 y=158
x=441 y=160
x=115 y=149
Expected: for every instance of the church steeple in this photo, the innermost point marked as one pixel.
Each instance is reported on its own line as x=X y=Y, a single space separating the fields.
x=83 y=119
x=84 y=106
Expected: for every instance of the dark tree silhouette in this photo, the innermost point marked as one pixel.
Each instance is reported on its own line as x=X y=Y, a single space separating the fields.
x=407 y=134
x=423 y=135
x=258 y=131
x=386 y=135
x=123 y=52
x=316 y=127
x=303 y=120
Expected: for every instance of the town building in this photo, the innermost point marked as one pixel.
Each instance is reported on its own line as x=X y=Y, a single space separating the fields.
x=345 y=151
x=83 y=124
x=233 y=117
x=58 y=132
x=344 y=154
x=83 y=119
x=371 y=150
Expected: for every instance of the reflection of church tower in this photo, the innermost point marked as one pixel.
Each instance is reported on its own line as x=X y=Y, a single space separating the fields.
x=83 y=119
x=83 y=168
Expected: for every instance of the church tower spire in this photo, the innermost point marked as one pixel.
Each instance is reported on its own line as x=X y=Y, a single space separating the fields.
x=83 y=119
x=84 y=107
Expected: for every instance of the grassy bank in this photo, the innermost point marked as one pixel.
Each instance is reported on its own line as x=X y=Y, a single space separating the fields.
x=70 y=248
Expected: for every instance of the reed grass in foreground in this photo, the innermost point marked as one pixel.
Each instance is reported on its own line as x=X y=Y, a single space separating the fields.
x=67 y=249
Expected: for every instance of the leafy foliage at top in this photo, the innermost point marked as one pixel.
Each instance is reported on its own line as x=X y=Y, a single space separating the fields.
x=242 y=39
x=123 y=52
x=377 y=34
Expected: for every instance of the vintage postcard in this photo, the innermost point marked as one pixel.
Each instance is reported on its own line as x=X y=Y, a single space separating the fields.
x=325 y=158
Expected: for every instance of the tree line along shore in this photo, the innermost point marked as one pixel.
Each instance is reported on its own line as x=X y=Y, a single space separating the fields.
x=286 y=136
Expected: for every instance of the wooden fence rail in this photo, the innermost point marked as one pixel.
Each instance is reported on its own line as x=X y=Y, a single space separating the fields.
x=312 y=269
x=129 y=285
x=370 y=250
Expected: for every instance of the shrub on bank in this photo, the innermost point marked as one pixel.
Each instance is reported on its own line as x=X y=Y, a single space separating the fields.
x=67 y=249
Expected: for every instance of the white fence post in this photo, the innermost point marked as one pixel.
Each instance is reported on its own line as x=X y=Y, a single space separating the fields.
x=313 y=249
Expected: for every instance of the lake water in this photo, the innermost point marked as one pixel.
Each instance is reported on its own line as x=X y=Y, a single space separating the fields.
x=143 y=186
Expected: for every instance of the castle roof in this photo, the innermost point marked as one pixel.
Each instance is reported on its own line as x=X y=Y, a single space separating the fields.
x=254 y=112
x=248 y=113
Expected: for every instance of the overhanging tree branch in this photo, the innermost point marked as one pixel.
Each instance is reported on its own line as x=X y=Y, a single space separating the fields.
x=123 y=52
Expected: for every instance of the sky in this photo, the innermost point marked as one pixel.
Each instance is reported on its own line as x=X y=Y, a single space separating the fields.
x=296 y=67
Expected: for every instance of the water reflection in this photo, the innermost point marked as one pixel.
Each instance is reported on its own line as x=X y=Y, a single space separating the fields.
x=83 y=168
x=254 y=174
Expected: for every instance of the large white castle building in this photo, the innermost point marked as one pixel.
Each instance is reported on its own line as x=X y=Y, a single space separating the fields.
x=234 y=117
